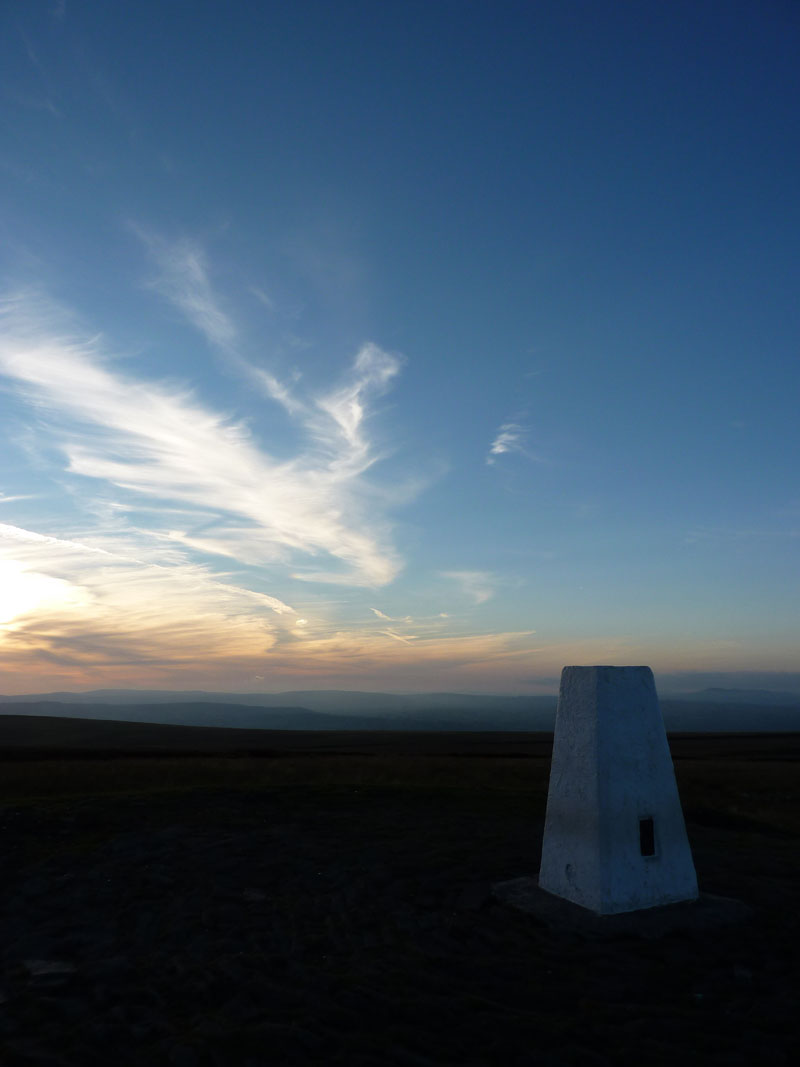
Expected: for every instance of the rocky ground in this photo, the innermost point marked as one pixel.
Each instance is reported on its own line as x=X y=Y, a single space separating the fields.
x=334 y=919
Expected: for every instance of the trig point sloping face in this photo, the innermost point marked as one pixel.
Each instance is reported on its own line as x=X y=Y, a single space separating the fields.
x=614 y=837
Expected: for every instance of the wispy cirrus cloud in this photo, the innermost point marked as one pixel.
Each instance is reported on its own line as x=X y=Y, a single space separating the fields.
x=171 y=493
x=335 y=418
x=345 y=407
x=262 y=297
x=70 y=558
x=478 y=585
x=158 y=443
x=511 y=436
x=406 y=639
x=182 y=278
x=83 y=613
x=80 y=609
x=390 y=618
x=5 y=499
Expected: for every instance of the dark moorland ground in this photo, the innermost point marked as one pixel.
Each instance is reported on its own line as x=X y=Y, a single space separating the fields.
x=251 y=897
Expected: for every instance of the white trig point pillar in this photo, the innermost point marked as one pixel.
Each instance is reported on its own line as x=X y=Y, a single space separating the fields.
x=614 y=835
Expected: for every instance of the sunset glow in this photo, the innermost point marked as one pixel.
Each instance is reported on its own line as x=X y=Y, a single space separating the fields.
x=28 y=594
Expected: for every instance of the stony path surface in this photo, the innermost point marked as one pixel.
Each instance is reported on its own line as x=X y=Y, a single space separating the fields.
x=356 y=927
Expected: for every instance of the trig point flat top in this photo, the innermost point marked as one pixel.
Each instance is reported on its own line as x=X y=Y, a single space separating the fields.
x=614 y=838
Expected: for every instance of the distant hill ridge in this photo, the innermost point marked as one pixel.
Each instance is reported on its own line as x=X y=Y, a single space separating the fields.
x=715 y=710
x=768 y=697
x=317 y=700
x=358 y=701
x=238 y=716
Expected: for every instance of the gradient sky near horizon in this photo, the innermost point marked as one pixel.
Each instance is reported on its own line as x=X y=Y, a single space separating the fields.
x=397 y=346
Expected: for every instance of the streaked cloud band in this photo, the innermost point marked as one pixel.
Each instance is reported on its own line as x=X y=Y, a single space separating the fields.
x=159 y=442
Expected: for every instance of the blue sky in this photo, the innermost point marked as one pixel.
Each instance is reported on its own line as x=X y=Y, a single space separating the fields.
x=403 y=346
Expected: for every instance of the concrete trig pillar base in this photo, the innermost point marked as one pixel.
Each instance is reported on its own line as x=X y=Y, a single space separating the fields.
x=614 y=835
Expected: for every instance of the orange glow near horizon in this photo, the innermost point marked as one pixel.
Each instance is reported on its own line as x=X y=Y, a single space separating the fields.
x=46 y=652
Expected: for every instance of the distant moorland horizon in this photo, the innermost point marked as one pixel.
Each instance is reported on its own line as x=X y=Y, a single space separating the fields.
x=713 y=709
x=760 y=686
